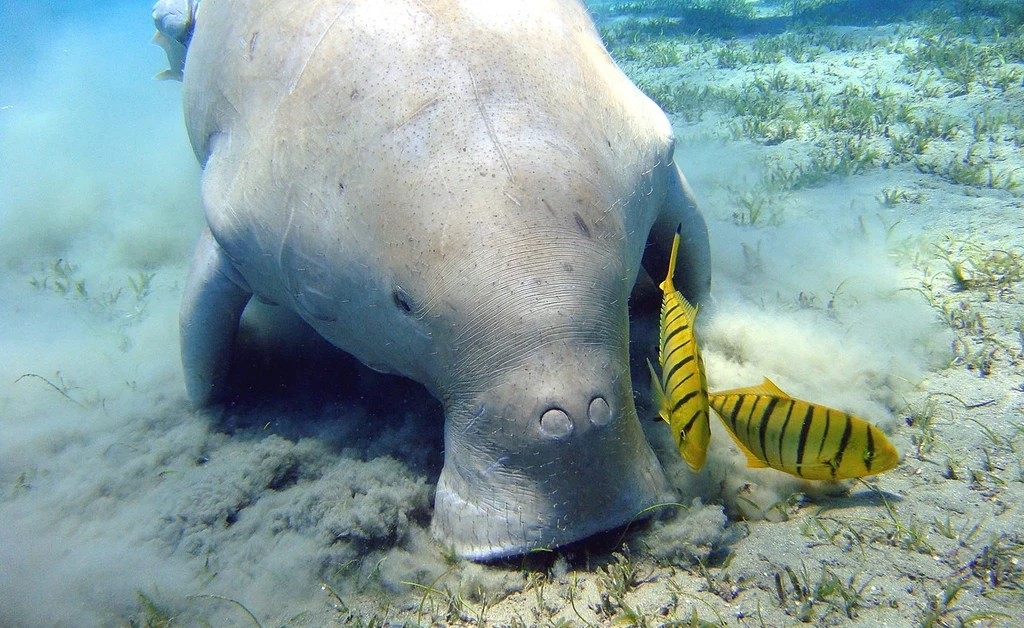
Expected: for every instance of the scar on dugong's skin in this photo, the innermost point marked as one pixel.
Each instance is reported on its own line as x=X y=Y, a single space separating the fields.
x=459 y=191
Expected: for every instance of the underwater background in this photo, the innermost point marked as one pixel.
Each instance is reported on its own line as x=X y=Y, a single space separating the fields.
x=860 y=167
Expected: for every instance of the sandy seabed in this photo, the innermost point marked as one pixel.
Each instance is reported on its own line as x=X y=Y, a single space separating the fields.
x=890 y=290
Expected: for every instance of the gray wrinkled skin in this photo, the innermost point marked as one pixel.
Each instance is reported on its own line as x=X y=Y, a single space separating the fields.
x=461 y=192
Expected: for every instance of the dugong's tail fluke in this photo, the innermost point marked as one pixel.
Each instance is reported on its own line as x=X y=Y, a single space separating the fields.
x=175 y=21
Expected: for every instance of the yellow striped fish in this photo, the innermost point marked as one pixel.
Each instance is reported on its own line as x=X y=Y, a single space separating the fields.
x=681 y=393
x=803 y=439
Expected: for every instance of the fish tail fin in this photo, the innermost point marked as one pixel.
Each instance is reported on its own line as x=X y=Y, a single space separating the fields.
x=667 y=286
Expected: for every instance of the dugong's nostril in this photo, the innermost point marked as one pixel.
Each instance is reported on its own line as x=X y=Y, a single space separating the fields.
x=600 y=412
x=555 y=423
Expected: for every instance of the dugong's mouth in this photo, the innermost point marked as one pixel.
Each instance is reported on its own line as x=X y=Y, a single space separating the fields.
x=505 y=490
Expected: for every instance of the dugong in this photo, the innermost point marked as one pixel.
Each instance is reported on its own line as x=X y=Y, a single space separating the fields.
x=458 y=191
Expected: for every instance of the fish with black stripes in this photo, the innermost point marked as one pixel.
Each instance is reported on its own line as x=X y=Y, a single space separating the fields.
x=681 y=392
x=801 y=438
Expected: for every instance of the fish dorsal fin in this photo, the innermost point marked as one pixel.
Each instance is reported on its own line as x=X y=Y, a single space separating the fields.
x=766 y=388
x=752 y=461
x=774 y=390
x=689 y=310
x=667 y=286
x=659 y=393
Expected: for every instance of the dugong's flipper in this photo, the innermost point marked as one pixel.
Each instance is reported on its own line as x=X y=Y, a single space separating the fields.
x=175 y=22
x=215 y=295
x=693 y=271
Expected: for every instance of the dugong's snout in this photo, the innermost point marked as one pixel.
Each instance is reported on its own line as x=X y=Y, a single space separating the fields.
x=546 y=456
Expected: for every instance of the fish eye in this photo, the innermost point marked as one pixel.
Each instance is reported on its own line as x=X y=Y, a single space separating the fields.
x=402 y=300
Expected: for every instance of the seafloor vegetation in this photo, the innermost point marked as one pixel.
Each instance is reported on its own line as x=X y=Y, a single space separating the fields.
x=915 y=106
x=924 y=102
x=936 y=87
x=930 y=89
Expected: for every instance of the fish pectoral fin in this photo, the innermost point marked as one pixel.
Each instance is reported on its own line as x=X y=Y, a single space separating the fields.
x=766 y=388
x=752 y=461
x=659 y=393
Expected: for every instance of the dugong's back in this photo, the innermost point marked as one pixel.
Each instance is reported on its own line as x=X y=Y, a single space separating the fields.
x=422 y=94
x=384 y=130
x=252 y=57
